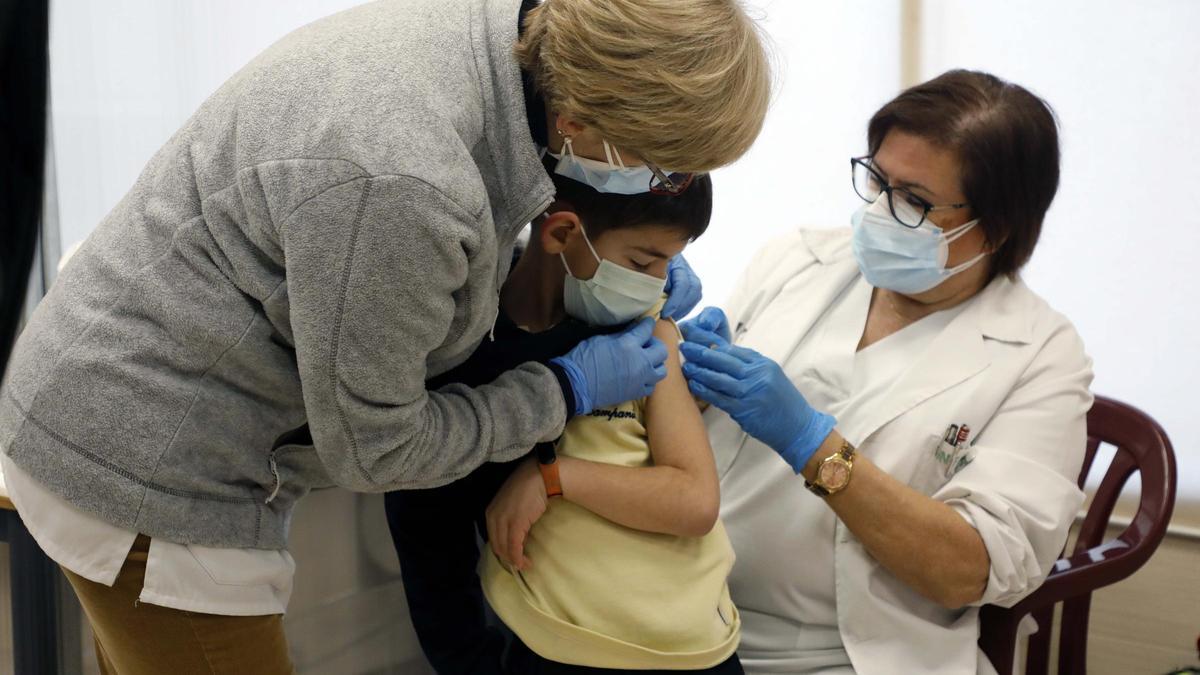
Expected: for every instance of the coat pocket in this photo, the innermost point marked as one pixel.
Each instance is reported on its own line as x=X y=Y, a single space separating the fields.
x=936 y=465
x=295 y=469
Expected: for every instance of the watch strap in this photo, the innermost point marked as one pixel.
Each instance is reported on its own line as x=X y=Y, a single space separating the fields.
x=816 y=489
x=551 y=479
x=548 y=465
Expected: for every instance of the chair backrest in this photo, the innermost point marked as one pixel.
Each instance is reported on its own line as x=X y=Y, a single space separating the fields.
x=1142 y=446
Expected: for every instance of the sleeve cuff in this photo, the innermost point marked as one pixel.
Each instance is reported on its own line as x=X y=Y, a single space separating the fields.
x=564 y=383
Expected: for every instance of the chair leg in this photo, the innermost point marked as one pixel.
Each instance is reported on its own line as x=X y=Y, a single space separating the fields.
x=999 y=641
x=1037 y=656
x=1072 y=653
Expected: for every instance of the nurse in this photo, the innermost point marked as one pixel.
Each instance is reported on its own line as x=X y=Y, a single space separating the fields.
x=260 y=314
x=900 y=421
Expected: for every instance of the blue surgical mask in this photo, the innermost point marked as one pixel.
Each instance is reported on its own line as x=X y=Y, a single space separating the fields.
x=611 y=176
x=903 y=259
x=613 y=296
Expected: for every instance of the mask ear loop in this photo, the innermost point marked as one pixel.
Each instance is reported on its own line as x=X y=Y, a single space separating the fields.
x=590 y=248
x=588 y=241
x=957 y=233
x=966 y=265
x=609 y=151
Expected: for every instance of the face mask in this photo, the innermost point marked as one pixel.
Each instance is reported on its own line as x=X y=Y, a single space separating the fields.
x=613 y=296
x=611 y=177
x=903 y=259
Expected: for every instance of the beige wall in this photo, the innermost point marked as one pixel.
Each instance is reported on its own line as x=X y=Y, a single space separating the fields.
x=1149 y=622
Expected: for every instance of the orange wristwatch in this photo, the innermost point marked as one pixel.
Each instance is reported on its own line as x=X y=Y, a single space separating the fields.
x=548 y=465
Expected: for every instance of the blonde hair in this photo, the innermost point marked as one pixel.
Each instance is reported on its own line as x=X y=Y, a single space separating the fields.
x=685 y=84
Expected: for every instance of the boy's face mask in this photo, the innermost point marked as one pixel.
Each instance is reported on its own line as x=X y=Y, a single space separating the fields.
x=613 y=296
x=611 y=177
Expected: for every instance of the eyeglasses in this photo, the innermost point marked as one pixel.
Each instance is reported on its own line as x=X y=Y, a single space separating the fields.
x=913 y=211
x=669 y=184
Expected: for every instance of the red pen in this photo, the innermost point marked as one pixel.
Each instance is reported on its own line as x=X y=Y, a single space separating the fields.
x=963 y=432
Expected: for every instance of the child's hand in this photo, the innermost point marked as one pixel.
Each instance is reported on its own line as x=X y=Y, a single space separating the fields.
x=513 y=511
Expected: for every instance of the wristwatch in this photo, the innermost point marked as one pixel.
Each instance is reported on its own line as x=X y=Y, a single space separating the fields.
x=548 y=465
x=833 y=475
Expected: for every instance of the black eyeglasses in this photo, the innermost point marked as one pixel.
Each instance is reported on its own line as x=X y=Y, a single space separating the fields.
x=669 y=184
x=910 y=211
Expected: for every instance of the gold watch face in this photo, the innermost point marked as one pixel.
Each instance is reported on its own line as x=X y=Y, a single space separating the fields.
x=833 y=475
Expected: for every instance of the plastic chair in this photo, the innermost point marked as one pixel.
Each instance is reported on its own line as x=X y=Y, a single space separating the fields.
x=1142 y=446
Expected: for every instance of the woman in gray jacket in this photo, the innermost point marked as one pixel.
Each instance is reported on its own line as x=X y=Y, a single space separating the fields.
x=259 y=315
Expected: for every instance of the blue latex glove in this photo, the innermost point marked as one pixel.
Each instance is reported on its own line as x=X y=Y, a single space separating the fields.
x=606 y=370
x=757 y=394
x=683 y=289
x=710 y=320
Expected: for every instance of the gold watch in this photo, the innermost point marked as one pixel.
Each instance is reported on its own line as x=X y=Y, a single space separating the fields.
x=833 y=474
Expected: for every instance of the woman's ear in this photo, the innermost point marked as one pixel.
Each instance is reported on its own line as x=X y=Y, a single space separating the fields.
x=557 y=230
x=991 y=248
x=566 y=126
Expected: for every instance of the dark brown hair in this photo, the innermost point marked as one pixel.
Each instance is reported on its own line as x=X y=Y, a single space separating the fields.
x=1006 y=141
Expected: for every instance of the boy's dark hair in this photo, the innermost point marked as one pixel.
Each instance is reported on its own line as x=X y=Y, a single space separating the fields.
x=689 y=211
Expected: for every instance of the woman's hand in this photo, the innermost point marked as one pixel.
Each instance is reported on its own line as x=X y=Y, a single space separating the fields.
x=513 y=511
x=710 y=320
x=757 y=394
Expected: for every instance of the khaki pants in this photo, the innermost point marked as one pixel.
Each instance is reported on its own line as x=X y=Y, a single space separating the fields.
x=134 y=638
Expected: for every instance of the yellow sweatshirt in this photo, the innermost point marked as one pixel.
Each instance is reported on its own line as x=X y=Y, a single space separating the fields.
x=603 y=595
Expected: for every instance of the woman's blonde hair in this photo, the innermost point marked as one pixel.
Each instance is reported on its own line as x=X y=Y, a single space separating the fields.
x=685 y=84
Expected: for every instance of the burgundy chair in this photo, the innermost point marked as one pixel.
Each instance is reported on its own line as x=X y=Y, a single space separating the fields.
x=1142 y=446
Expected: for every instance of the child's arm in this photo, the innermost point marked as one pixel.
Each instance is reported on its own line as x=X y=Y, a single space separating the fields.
x=679 y=494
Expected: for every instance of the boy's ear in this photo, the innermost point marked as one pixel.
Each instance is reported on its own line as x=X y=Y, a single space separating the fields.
x=557 y=230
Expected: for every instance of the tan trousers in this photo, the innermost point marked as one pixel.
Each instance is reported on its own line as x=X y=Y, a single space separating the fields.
x=136 y=638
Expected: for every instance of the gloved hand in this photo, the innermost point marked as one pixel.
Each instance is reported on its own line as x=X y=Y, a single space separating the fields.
x=609 y=369
x=683 y=289
x=757 y=394
x=710 y=320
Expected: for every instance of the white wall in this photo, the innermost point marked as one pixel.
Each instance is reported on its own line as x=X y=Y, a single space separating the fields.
x=125 y=74
x=1122 y=241
x=837 y=63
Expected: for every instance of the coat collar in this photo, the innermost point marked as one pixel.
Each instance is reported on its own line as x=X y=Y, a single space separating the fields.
x=1001 y=311
x=525 y=186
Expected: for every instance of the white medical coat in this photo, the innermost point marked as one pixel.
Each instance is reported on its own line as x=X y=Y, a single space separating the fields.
x=1010 y=367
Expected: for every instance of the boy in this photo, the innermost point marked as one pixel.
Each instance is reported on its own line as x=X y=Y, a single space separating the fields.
x=595 y=261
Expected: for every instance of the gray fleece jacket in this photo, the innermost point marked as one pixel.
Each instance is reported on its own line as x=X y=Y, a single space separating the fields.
x=330 y=229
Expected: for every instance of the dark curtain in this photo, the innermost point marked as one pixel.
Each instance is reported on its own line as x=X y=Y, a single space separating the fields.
x=24 y=59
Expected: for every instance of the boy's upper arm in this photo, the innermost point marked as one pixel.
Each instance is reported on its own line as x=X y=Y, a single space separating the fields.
x=676 y=430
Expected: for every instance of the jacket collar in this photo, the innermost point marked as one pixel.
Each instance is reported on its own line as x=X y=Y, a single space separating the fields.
x=525 y=185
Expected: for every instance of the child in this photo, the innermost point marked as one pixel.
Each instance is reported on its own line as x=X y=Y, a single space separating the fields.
x=639 y=478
